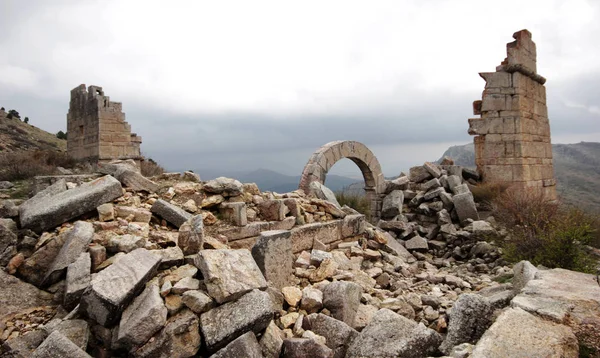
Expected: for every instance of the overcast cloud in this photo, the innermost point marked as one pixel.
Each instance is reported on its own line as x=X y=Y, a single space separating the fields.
x=236 y=85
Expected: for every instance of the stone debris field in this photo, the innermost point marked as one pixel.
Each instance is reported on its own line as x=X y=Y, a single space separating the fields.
x=179 y=267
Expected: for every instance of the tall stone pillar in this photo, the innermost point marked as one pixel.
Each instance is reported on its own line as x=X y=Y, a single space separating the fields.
x=512 y=137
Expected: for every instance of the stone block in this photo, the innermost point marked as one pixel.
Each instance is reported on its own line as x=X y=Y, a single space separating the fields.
x=305 y=347
x=173 y=214
x=229 y=274
x=400 y=183
x=106 y=212
x=403 y=338
x=338 y=334
x=245 y=345
x=57 y=345
x=271 y=341
x=465 y=207
x=144 y=317
x=224 y=186
x=113 y=288
x=418 y=174
x=518 y=333
x=470 y=317
x=130 y=177
x=392 y=204
x=197 y=301
x=51 y=210
x=353 y=225
x=235 y=212
x=495 y=102
x=180 y=338
x=78 y=279
x=272 y=210
x=169 y=257
x=433 y=169
x=251 y=312
x=342 y=299
x=191 y=235
x=273 y=255
x=77 y=241
x=286 y=224
x=304 y=236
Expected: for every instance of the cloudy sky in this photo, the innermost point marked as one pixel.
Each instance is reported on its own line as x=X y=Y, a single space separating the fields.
x=238 y=85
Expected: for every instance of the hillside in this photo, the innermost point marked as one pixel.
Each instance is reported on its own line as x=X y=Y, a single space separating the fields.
x=16 y=135
x=576 y=168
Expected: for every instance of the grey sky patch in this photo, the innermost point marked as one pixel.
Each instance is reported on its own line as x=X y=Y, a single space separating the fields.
x=242 y=85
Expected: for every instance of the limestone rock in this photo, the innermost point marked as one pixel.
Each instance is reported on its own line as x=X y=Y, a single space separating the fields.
x=53 y=210
x=392 y=335
x=322 y=192
x=517 y=333
x=173 y=214
x=465 y=207
x=469 y=318
x=129 y=176
x=224 y=186
x=112 y=289
x=273 y=255
x=17 y=295
x=305 y=347
x=338 y=334
x=76 y=330
x=416 y=243
x=145 y=316
x=57 y=345
x=77 y=241
x=221 y=325
x=35 y=267
x=191 y=235
x=78 y=279
x=312 y=299
x=271 y=341
x=342 y=299
x=245 y=345
x=228 y=274
x=392 y=204
x=197 y=301
x=180 y=338
x=106 y=212
x=185 y=284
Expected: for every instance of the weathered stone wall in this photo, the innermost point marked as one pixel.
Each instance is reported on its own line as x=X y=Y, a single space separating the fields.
x=97 y=129
x=512 y=143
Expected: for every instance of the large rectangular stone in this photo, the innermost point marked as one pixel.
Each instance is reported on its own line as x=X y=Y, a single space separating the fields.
x=78 y=239
x=173 y=214
x=273 y=255
x=112 y=289
x=55 y=209
x=228 y=274
x=304 y=236
x=223 y=324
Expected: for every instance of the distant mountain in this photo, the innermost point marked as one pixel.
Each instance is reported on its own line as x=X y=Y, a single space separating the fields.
x=269 y=180
x=576 y=169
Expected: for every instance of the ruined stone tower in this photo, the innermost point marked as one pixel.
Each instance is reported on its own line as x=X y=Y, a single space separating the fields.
x=512 y=143
x=96 y=128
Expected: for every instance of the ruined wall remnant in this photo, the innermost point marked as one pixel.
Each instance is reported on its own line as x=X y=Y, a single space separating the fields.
x=512 y=143
x=96 y=127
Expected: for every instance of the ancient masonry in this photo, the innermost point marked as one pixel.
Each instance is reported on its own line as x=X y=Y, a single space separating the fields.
x=512 y=143
x=96 y=127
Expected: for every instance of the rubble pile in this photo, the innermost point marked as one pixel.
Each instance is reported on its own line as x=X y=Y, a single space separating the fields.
x=174 y=266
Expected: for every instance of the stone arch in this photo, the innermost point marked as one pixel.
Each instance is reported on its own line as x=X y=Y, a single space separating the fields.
x=325 y=157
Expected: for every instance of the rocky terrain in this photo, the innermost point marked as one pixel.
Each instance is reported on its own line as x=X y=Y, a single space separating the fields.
x=576 y=169
x=118 y=265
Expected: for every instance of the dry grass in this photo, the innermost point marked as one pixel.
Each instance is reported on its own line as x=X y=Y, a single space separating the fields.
x=486 y=193
x=150 y=168
x=356 y=201
x=27 y=164
x=545 y=233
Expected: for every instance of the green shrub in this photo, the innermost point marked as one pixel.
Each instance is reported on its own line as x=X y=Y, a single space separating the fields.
x=543 y=232
x=354 y=200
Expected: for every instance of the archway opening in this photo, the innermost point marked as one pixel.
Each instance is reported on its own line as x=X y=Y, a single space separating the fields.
x=347 y=181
